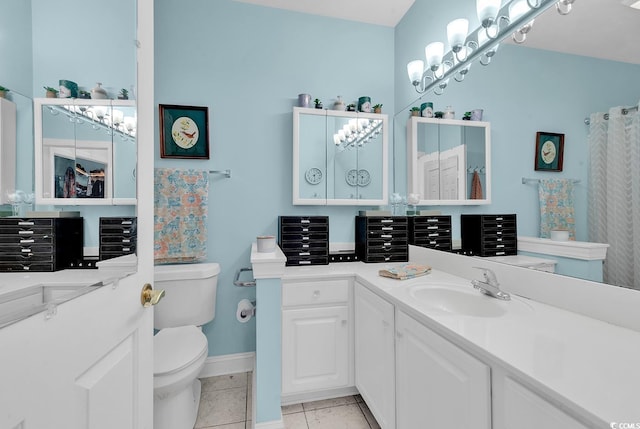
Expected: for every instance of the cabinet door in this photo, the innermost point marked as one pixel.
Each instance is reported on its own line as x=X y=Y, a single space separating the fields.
x=315 y=349
x=516 y=406
x=438 y=385
x=375 y=355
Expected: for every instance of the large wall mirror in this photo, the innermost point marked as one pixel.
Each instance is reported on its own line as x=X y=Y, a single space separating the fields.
x=449 y=161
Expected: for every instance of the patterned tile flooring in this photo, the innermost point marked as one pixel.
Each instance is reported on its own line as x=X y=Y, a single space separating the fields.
x=225 y=403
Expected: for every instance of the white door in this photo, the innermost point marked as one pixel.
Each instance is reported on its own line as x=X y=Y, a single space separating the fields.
x=87 y=366
x=438 y=385
x=315 y=349
x=375 y=355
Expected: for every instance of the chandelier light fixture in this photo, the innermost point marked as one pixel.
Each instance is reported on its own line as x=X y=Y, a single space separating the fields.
x=515 y=18
x=100 y=118
x=356 y=133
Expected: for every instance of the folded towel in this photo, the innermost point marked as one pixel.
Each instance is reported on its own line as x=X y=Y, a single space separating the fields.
x=556 y=207
x=405 y=271
x=180 y=218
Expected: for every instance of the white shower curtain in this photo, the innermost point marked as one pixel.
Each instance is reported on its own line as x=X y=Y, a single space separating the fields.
x=614 y=193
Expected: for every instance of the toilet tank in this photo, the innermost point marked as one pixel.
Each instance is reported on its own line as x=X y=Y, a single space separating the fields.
x=190 y=294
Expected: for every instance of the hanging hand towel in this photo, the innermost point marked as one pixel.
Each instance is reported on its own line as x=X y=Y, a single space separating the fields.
x=556 y=207
x=180 y=219
x=476 y=187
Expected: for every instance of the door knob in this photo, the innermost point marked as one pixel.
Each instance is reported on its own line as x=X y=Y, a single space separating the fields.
x=149 y=297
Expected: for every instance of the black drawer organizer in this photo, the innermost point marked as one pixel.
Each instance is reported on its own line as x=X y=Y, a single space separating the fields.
x=489 y=234
x=382 y=238
x=40 y=244
x=118 y=236
x=433 y=232
x=304 y=239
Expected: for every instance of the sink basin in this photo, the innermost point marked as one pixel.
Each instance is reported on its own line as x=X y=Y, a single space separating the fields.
x=459 y=302
x=25 y=302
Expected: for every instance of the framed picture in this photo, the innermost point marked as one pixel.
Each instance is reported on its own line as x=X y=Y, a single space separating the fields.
x=549 y=151
x=184 y=132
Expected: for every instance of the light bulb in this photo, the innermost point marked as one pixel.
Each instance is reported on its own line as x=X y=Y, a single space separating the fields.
x=487 y=11
x=415 y=69
x=434 y=52
x=457 y=31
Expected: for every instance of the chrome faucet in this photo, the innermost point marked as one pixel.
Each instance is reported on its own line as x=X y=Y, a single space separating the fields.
x=490 y=285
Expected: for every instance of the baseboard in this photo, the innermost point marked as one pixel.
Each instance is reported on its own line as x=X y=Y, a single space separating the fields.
x=274 y=424
x=228 y=364
x=297 y=398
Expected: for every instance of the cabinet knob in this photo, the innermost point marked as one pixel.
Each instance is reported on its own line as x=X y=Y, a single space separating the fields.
x=316 y=293
x=399 y=334
x=344 y=323
x=385 y=324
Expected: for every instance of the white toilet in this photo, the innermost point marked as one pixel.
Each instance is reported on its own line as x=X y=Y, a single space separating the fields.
x=180 y=347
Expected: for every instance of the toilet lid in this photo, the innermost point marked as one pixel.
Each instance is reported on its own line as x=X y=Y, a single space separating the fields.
x=176 y=348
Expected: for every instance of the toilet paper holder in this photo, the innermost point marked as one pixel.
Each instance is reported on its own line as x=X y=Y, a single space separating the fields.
x=243 y=283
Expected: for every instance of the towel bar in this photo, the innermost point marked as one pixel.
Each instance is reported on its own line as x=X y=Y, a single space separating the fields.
x=526 y=180
x=227 y=173
x=238 y=282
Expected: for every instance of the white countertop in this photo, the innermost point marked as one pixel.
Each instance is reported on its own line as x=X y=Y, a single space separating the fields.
x=591 y=366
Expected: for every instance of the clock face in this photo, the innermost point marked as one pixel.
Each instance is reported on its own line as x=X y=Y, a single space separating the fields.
x=184 y=132
x=352 y=177
x=313 y=175
x=364 y=178
x=548 y=152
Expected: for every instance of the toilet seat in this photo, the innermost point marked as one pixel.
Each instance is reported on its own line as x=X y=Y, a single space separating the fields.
x=176 y=348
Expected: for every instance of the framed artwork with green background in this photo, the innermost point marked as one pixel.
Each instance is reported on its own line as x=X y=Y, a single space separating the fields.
x=184 y=132
x=549 y=151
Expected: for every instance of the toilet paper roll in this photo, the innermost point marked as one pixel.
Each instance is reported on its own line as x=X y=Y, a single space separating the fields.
x=245 y=311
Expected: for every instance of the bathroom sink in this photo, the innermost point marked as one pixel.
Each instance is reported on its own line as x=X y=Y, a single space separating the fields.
x=459 y=302
x=25 y=302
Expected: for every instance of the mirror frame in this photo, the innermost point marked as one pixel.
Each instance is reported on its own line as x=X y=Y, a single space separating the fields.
x=39 y=147
x=412 y=160
x=297 y=200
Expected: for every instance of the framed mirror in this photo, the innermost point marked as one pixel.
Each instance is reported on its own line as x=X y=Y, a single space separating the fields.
x=339 y=158
x=449 y=161
x=84 y=152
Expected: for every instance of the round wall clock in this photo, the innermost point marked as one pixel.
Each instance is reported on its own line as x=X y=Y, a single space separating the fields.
x=548 y=152
x=313 y=175
x=364 y=178
x=352 y=177
x=184 y=132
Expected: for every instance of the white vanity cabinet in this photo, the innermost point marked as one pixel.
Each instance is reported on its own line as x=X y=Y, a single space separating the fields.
x=438 y=385
x=317 y=336
x=517 y=406
x=375 y=354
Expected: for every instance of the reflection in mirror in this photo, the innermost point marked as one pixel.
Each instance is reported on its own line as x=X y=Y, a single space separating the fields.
x=340 y=158
x=86 y=150
x=448 y=161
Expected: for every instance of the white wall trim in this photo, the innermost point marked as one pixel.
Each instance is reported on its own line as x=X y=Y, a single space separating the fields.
x=568 y=249
x=267 y=265
x=228 y=364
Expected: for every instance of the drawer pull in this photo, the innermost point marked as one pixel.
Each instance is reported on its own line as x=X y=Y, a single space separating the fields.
x=305 y=246
x=305 y=221
x=316 y=293
x=304 y=262
x=387 y=228
x=435 y=234
x=305 y=229
x=498 y=239
x=499 y=232
x=27 y=250
x=499 y=225
x=432 y=227
x=126 y=231
x=386 y=236
x=500 y=245
x=500 y=253
x=26 y=223
x=126 y=240
x=305 y=238
x=432 y=220
x=433 y=242
x=25 y=232
x=304 y=254
x=387 y=245
x=499 y=218
x=126 y=222
x=386 y=221
x=126 y=249
x=28 y=240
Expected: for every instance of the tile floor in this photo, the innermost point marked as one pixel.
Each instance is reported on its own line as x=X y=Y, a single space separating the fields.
x=225 y=403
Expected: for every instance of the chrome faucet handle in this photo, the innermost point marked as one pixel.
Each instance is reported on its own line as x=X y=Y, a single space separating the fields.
x=489 y=276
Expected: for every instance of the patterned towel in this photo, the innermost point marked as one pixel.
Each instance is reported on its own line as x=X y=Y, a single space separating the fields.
x=556 y=207
x=180 y=219
x=476 y=187
x=405 y=271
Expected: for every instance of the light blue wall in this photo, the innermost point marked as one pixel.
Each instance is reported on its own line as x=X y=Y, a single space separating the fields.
x=79 y=40
x=248 y=64
x=523 y=91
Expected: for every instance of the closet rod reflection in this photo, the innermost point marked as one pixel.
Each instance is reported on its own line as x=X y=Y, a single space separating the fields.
x=625 y=111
